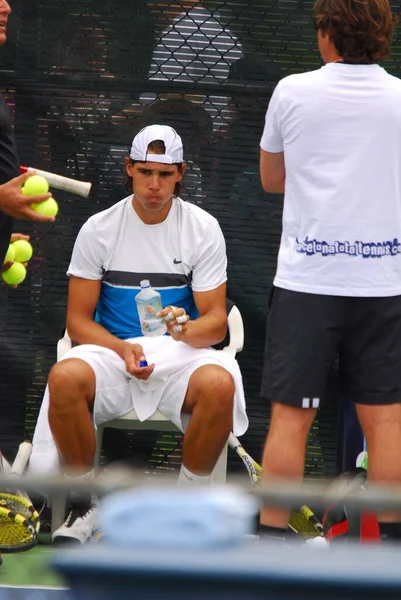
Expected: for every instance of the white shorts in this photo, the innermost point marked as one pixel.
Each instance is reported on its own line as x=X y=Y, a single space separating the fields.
x=117 y=393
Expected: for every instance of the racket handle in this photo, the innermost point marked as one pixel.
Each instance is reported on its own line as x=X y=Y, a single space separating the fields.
x=21 y=460
x=5 y=466
x=81 y=188
x=251 y=466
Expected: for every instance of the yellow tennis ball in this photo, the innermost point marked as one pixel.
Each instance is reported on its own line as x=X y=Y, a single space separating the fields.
x=9 y=254
x=22 y=251
x=15 y=274
x=49 y=207
x=36 y=186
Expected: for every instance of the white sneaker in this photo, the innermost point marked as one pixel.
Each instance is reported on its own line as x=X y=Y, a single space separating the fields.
x=317 y=541
x=79 y=526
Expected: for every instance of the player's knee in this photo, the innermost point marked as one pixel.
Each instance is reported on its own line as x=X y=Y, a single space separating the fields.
x=219 y=389
x=69 y=377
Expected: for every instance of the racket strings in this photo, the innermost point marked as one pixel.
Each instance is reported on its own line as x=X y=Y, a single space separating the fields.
x=19 y=523
x=301 y=524
x=16 y=532
x=21 y=504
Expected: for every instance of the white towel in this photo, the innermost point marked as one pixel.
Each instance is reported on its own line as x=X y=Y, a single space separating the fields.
x=190 y=517
x=171 y=359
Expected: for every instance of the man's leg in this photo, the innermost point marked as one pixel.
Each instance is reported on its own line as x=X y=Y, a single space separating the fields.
x=72 y=390
x=284 y=454
x=382 y=428
x=303 y=336
x=209 y=400
x=72 y=387
x=371 y=365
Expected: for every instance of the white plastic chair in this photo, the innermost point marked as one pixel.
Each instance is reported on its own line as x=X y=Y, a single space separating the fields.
x=157 y=422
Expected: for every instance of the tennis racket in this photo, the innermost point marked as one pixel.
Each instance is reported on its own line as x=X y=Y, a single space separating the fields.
x=19 y=521
x=81 y=188
x=303 y=521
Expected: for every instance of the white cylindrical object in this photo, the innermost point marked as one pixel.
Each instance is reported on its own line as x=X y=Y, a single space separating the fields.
x=5 y=466
x=21 y=460
x=81 y=188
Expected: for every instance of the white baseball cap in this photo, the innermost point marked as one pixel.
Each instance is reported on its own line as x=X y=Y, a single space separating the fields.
x=174 y=150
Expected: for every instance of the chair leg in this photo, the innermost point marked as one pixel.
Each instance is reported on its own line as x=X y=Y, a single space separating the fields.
x=99 y=439
x=219 y=473
x=58 y=505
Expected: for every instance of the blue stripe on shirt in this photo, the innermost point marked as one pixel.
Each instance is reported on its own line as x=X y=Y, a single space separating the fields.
x=116 y=310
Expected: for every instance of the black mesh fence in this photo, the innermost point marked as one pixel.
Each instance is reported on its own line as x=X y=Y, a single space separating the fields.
x=81 y=79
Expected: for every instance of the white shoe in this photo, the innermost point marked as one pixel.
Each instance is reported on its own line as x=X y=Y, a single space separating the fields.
x=317 y=541
x=78 y=527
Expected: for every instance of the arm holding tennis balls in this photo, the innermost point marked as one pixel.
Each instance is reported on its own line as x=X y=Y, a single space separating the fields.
x=17 y=204
x=12 y=272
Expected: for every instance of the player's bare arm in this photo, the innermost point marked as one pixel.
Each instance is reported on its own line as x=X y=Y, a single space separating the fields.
x=83 y=296
x=211 y=326
x=272 y=171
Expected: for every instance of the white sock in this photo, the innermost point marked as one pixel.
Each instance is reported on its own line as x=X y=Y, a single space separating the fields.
x=186 y=477
x=84 y=477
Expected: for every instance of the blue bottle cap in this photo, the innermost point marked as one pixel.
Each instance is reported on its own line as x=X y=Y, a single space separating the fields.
x=143 y=363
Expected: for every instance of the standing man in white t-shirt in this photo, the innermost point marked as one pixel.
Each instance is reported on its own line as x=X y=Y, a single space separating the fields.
x=332 y=144
x=151 y=234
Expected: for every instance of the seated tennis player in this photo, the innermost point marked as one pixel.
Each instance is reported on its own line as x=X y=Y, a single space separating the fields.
x=152 y=234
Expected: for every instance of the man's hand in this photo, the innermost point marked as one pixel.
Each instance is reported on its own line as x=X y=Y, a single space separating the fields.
x=133 y=355
x=176 y=320
x=16 y=204
x=5 y=266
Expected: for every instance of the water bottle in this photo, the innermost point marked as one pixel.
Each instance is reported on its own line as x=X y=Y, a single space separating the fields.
x=149 y=303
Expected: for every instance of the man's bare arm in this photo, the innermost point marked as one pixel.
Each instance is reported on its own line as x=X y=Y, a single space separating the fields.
x=83 y=296
x=272 y=171
x=211 y=326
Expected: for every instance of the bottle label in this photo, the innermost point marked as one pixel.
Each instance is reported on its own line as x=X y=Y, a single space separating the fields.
x=147 y=315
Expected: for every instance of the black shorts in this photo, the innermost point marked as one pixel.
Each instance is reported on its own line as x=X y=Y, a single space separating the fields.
x=306 y=333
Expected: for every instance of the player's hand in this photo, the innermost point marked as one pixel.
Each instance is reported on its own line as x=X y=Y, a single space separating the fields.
x=5 y=266
x=133 y=356
x=16 y=204
x=176 y=321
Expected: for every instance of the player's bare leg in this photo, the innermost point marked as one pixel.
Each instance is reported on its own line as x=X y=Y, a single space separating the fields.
x=209 y=400
x=284 y=453
x=72 y=391
x=72 y=387
x=382 y=428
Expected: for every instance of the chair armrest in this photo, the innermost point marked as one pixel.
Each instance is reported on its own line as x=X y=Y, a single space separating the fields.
x=236 y=330
x=63 y=345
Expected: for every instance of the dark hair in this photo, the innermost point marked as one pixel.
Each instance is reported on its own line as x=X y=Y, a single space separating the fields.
x=157 y=147
x=361 y=30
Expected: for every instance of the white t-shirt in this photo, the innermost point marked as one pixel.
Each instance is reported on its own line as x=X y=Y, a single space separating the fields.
x=340 y=130
x=184 y=253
